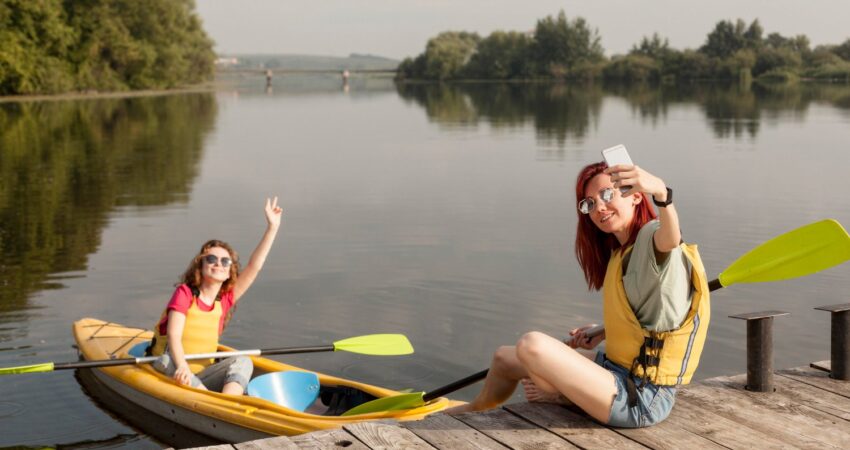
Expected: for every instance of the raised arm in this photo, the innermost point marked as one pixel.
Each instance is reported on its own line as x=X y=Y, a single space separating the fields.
x=669 y=235
x=258 y=257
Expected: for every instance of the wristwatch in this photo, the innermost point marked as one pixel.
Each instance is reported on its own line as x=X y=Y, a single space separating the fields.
x=666 y=202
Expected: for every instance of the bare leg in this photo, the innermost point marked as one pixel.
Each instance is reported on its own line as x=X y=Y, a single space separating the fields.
x=232 y=388
x=536 y=394
x=505 y=372
x=552 y=366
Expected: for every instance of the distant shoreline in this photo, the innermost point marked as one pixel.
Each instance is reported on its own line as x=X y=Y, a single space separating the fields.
x=204 y=87
x=217 y=85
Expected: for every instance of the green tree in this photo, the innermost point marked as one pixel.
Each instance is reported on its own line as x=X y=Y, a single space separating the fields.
x=687 y=65
x=561 y=45
x=447 y=54
x=34 y=46
x=654 y=47
x=843 y=50
x=127 y=44
x=633 y=67
x=502 y=55
x=727 y=38
x=50 y=46
x=776 y=58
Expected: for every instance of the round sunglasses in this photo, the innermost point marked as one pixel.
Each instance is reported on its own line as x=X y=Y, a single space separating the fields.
x=212 y=259
x=606 y=195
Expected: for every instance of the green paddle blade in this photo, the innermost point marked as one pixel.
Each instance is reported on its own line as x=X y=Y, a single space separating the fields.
x=394 y=403
x=35 y=368
x=376 y=344
x=800 y=252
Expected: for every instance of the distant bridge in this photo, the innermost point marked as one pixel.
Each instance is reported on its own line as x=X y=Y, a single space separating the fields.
x=342 y=72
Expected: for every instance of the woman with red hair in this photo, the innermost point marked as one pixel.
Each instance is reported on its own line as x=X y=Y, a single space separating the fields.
x=655 y=305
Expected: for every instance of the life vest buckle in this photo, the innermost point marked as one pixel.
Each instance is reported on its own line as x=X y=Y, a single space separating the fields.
x=653 y=342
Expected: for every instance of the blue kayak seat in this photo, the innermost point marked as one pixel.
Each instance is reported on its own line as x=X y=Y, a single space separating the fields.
x=292 y=389
x=139 y=349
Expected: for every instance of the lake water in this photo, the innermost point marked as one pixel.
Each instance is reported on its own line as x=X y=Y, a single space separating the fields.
x=442 y=212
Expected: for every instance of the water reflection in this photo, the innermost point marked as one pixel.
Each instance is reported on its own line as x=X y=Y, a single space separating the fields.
x=120 y=409
x=64 y=165
x=561 y=112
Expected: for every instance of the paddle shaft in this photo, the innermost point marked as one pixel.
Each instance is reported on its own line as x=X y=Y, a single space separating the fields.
x=150 y=359
x=459 y=384
x=478 y=376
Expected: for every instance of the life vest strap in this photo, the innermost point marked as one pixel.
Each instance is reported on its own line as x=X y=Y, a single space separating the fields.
x=653 y=343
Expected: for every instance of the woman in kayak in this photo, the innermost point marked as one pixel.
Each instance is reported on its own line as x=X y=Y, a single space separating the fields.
x=202 y=305
x=655 y=296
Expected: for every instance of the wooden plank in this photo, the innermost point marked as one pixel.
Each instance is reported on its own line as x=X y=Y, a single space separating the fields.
x=513 y=431
x=808 y=395
x=795 y=424
x=667 y=435
x=818 y=379
x=336 y=438
x=719 y=429
x=277 y=442
x=579 y=429
x=380 y=435
x=444 y=431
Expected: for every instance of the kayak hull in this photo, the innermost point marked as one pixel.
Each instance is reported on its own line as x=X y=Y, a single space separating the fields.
x=200 y=423
x=224 y=417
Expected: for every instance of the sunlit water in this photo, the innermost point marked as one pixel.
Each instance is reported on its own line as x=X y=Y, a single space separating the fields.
x=442 y=212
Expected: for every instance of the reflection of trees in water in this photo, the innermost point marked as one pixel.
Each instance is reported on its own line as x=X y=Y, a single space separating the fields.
x=733 y=110
x=64 y=165
x=558 y=111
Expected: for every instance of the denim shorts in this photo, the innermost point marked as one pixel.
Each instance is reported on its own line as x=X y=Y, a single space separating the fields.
x=654 y=403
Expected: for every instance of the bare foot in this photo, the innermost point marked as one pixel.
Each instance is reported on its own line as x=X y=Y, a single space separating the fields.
x=536 y=395
x=460 y=409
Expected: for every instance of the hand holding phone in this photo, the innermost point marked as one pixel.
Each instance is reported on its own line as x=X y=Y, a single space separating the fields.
x=618 y=155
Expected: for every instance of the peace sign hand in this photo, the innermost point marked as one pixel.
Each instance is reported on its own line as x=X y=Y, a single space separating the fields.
x=273 y=213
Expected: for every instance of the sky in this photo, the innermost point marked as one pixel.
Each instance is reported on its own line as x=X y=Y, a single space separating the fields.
x=400 y=28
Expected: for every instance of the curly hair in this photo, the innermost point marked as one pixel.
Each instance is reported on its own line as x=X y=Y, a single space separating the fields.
x=594 y=246
x=192 y=275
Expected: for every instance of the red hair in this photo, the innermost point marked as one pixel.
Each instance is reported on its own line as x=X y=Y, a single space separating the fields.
x=593 y=246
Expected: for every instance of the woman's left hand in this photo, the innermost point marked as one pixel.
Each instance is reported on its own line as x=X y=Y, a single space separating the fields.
x=638 y=180
x=273 y=213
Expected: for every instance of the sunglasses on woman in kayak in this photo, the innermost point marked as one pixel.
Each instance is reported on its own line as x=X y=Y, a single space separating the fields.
x=212 y=259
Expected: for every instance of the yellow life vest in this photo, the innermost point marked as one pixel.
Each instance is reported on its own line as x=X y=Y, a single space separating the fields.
x=662 y=358
x=200 y=335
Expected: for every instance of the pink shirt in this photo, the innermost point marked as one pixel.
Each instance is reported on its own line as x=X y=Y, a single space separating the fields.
x=182 y=300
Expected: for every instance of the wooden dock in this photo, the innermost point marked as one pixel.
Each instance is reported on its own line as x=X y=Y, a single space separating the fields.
x=808 y=410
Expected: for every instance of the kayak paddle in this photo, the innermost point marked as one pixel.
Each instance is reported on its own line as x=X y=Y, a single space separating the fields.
x=373 y=344
x=413 y=399
x=803 y=251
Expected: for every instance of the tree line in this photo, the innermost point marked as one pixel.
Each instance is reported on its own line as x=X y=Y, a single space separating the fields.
x=570 y=49
x=52 y=46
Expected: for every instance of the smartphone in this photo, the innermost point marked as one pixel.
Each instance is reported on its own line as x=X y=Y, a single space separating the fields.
x=617 y=155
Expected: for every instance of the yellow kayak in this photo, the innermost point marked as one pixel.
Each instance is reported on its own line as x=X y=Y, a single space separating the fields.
x=224 y=417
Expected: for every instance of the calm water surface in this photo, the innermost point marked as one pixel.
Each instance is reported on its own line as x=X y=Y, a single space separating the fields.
x=442 y=212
